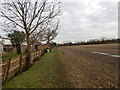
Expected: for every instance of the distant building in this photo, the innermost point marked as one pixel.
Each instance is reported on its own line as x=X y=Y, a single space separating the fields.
x=24 y=43
x=5 y=41
x=7 y=45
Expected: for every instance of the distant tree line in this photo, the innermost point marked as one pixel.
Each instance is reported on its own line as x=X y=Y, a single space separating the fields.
x=90 y=42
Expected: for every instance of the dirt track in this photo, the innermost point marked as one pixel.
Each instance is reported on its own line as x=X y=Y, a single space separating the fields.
x=89 y=69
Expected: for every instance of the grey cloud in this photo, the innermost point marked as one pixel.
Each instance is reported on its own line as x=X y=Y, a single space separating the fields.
x=85 y=20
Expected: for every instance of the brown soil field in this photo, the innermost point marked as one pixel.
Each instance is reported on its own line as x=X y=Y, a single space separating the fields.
x=106 y=48
x=91 y=70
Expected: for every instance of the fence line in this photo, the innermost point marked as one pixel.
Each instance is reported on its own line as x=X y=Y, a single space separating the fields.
x=11 y=61
x=14 y=65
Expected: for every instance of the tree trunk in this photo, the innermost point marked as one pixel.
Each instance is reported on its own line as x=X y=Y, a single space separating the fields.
x=48 y=40
x=18 y=49
x=28 y=58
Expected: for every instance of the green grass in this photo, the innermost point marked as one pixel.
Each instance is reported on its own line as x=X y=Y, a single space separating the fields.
x=48 y=72
x=11 y=55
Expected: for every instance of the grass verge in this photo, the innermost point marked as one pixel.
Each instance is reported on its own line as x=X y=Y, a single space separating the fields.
x=48 y=72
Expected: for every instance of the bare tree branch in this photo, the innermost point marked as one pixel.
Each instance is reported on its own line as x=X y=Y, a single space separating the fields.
x=32 y=17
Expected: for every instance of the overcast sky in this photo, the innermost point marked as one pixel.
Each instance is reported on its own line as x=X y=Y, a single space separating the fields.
x=88 y=19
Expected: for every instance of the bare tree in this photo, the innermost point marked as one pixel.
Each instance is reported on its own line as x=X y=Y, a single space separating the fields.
x=37 y=35
x=51 y=32
x=28 y=16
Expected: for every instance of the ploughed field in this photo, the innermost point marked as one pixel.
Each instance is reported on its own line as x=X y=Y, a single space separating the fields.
x=93 y=65
x=83 y=66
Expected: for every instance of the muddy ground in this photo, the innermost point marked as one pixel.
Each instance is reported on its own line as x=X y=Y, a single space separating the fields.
x=91 y=70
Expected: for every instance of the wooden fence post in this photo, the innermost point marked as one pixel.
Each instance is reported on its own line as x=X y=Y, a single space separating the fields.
x=40 y=53
x=36 y=55
x=20 y=64
x=4 y=74
x=7 y=72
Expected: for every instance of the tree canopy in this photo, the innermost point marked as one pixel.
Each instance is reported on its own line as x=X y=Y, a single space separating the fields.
x=16 y=38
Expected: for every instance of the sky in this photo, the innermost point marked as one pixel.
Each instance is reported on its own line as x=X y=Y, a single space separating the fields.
x=85 y=19
x=82 y=20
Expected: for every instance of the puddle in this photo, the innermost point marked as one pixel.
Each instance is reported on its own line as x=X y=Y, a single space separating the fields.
x=115 y=55
x=106 y=54
x=101 y=53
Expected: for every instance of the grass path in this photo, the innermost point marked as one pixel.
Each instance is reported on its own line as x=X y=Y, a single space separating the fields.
x=48 y=72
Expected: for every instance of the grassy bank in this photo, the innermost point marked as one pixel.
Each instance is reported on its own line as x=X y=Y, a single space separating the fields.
x=48 y=72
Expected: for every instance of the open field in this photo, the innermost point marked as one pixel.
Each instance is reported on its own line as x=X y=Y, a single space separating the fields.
x=107 y=48
x=93 y=69
x=73 y=66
